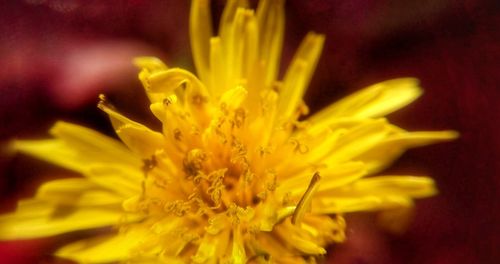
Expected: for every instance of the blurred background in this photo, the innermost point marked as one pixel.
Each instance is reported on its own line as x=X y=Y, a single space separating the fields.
x=56 y=56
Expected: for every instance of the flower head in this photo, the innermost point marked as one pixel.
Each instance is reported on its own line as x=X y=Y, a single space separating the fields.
x=234 y=176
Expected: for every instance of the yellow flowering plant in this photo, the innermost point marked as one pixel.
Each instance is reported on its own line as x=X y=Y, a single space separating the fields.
x=239 y=172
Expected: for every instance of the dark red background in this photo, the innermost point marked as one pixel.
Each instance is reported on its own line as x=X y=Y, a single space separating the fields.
x=50 y=50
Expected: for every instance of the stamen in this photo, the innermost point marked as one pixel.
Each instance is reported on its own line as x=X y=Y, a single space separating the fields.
x=216 y=186
x=193 y=162
x=239 y=118
x=167 y=101
x=238 y=152
x=272 y=179
x=177 y=207
x=236 y=213
x=183 y=85
x=305 y=201
x=177 y=134
x=299 y=147
x=198 y=99
x=149 y=164
x=104 y=103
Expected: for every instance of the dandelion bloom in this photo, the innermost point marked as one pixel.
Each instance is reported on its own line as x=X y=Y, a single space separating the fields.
x=236 y=175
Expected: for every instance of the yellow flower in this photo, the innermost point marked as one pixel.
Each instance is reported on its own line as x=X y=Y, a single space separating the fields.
x=234 y=176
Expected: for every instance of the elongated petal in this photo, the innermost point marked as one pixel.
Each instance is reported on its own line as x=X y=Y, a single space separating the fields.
x=382 y=155
x=358 y=140
x=233 y=98
x=77 y=192
x=241 y=47
x=383 y=192
x=89 y=141
x=336 y=205
x=374 y=101
x=314 y=150
x=218 y=70
x=227 y=19
x=123 y=180
x=416 y=187
x=151 y=64
x=148 y=66
x=211 y=248
x=51 y=150
x=172 y=80
x=238 y=255
x=60 y=220
x=335 y=176
x=271 y=20
x=33 y=208
x=299 y=74
x=139 y=138
x=306 y=246
x=76 y=147
x=200 y=29
x=104 y=249
x=300 y=239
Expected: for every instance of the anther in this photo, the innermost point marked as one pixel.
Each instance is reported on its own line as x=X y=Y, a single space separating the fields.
x=167 y=101
x=239 y=117
x=104 y=103
x=177 y=134
x=193 y=162
x=198 y=99
x=149 y=164
x=183 y=85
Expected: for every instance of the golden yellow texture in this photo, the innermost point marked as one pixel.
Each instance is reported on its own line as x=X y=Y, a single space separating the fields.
x=234 y=176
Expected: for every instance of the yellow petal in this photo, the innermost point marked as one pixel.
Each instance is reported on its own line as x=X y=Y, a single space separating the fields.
x=172 y=81
x=332 y=177
x=76 y=147
x=358 y=140
x=60 y=220
x=238 y=255
x=139 y=138
x=122 y=180
x=382 y=155
x=271 y=21
x=200 y=31
x=92 y=143
x=335 y=205
x=383 y=192
x=228 y=17
x=374 y=101
x=152 y=64
x=211 y=248
x=33 y=208
x=299 y=75
x=243 y=49
x=217 y=68
x=51 y=150
x=233 y=98
x=306 y=246
x=417 y=187
x=313 y=151
x=190 y=91
x=335 y=124
x=104 y=249
x=299 y=238
x=77 y=192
